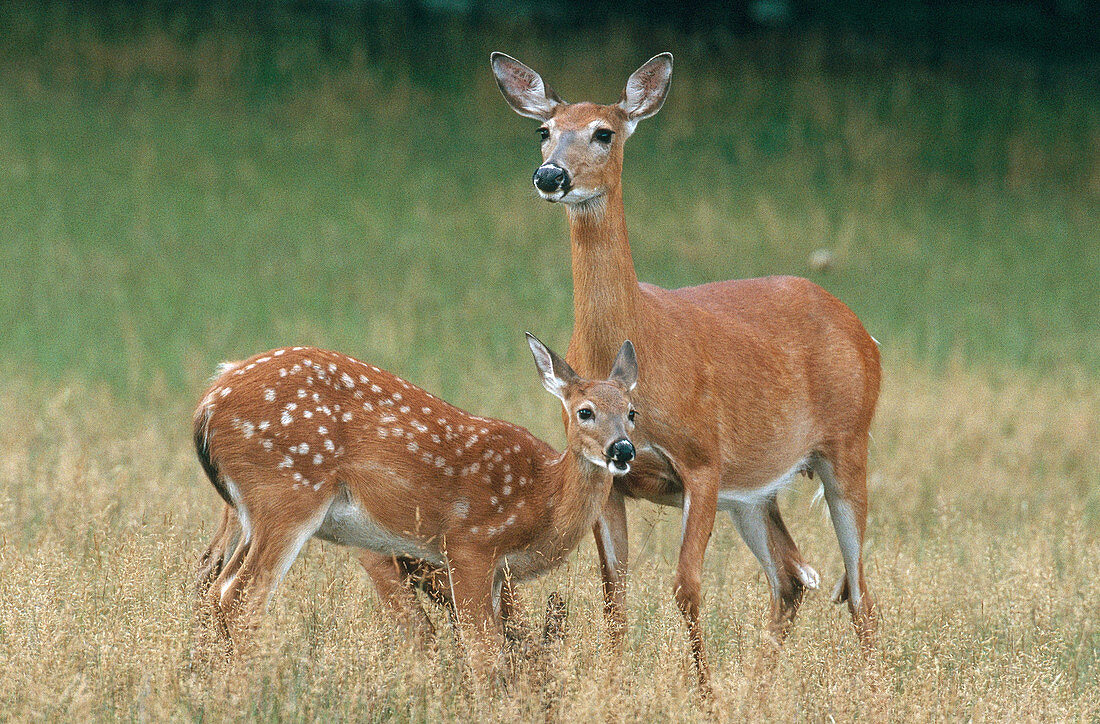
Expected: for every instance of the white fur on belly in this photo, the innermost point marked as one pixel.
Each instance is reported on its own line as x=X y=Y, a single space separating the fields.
x=347 y=523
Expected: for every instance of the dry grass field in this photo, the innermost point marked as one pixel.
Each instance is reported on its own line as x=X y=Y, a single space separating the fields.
x=982 y=551
x=174 y=195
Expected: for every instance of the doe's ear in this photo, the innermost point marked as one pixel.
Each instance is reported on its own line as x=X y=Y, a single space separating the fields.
x=647 y=88
x=523 y=88
x=556 y=373
x=625 y=369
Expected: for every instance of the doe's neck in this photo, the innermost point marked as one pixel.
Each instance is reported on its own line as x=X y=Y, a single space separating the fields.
x=606 y=296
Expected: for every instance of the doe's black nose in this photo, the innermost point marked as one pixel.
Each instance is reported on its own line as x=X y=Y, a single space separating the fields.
x=621 y=451
x=550 y=177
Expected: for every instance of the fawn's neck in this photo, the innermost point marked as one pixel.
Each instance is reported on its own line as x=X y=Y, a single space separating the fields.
x=605 y=286
x=576 y=491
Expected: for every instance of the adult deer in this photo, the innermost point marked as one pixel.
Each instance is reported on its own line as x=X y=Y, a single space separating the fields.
x=748 y=383
x=305 y=442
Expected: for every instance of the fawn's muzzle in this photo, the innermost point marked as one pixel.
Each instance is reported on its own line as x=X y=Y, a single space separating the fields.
x=619 y=455
x=550 y=177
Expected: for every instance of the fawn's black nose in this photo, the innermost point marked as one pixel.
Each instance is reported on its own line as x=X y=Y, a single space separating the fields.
x=551 y=177
x=621 y=451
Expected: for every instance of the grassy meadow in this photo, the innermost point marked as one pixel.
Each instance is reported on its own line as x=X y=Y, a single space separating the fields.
x=173 y=195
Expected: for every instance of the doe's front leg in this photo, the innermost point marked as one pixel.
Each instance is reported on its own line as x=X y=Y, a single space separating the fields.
x=700 y=506
x=610 y=531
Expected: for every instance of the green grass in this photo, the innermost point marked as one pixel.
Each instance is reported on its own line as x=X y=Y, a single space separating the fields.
x=171 y=202
x=175 y=194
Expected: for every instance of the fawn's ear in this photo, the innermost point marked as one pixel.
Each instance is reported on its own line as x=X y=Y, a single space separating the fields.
x=556 y=373
x=523 y=88
x=625 y=369
x=646 y=89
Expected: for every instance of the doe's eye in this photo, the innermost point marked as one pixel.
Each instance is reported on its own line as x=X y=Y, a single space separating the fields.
x=544 y=133
x=630 y=415
x=603 y=135
x=584 y=414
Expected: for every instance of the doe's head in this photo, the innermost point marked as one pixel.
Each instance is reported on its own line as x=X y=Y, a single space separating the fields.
x=582 y=143
x=599 y=413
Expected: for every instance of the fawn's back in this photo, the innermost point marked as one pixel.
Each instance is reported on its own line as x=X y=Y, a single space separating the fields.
x=388 y=465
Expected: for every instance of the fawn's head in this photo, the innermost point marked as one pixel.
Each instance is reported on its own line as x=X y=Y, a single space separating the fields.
x=582 y=143
x=599 y=414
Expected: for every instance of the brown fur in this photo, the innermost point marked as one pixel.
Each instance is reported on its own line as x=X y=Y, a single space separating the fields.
x=744 y=380
x=294 y=436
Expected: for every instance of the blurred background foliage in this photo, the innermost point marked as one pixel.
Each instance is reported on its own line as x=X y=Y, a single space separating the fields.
x=186 y=182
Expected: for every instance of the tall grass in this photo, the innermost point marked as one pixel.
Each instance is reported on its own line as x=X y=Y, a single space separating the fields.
x=174 y=193
x=981 y=552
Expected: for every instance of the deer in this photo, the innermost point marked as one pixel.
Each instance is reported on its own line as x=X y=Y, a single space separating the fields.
x=748 y=382
x=305 y=443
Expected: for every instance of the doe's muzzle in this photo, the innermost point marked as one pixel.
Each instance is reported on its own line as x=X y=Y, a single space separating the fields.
x=550 y=177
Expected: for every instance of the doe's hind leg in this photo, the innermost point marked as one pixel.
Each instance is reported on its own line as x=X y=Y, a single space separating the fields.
x=845 y=485
x=761 y=527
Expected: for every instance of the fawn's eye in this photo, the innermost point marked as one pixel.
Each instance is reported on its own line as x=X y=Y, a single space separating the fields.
x=544 y=133
x=603 y=135
x=584 y=414
x=630 y=415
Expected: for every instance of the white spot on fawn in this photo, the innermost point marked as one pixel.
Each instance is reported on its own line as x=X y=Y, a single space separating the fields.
x=286 y=419
x=317 y=459
x=347 y=380
x=269 y=394
x=461 y=508
x=375 y=389
x=412 y=447
x=287 y=462
x=329 y=446
x=346 y=417
x=506 y=490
